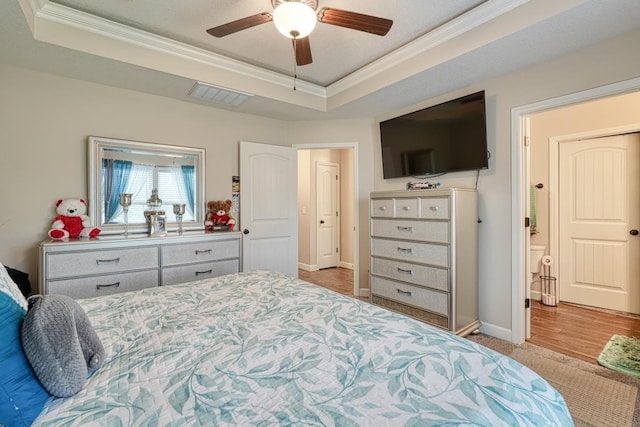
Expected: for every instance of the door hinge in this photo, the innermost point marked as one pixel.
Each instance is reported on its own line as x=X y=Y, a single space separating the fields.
x=336 y=213
x=526 y=221
x=336 y=250
x=527 y=303
x=527 y=141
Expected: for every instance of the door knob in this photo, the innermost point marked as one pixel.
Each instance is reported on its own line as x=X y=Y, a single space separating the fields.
x=245 y=231
x=322 y=221
x=634 y=232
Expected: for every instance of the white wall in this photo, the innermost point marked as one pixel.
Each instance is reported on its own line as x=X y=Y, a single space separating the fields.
x=608 y=62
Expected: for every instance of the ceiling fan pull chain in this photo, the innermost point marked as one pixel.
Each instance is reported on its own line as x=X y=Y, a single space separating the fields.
x=295 y=61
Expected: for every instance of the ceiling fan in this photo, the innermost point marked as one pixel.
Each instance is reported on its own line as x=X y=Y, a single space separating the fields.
x=297 y=18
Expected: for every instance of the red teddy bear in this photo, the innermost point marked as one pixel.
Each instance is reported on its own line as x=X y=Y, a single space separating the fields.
x=72 y=220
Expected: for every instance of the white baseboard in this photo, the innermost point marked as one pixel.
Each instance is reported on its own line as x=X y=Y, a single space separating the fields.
x=347 y=265
x=496 y=331
x=307 y=267
x=364 y=293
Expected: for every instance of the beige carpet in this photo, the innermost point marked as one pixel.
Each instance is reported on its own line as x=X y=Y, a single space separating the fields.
x=596 y=396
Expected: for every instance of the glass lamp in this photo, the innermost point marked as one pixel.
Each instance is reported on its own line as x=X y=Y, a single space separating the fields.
x=294 y=19
x=154 y=206
x=125 y=202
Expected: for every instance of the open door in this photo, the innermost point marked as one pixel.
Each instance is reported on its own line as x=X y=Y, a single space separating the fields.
x=527 y=240
x=268 y=208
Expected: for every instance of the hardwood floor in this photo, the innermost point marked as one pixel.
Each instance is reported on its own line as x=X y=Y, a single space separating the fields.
x=579 y=331
x=337 y=279
x=570 y=329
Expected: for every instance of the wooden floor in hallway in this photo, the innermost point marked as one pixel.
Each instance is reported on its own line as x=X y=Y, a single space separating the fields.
x=573 y=330
x=337 y=279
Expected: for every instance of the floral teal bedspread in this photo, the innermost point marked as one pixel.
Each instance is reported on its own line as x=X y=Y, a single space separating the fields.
x=261 y=349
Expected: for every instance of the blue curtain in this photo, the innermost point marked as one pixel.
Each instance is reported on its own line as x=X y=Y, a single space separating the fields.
x=116 y=177
x=188 y=175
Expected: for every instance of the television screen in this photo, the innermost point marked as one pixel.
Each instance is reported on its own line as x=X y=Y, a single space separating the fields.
x=447 y=137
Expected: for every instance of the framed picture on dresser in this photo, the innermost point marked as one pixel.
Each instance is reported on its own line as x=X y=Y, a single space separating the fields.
x=158 y=225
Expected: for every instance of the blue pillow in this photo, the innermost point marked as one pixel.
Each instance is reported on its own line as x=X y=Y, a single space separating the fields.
x=22 y=397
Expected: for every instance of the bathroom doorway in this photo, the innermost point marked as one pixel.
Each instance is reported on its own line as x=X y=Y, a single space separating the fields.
x=578 y=121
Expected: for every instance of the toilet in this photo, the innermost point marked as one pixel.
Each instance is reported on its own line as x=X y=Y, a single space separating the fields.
x=537 y=252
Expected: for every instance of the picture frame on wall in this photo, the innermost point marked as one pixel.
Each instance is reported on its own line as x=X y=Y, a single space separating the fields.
x=158 y=225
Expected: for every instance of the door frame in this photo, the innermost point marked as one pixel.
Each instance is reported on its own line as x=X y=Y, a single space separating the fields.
x=356 y=211
x=519 y=191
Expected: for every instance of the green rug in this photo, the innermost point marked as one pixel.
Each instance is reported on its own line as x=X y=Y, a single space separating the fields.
x=622 y=354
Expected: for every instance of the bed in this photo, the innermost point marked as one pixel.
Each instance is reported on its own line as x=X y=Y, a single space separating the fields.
x=263 y=349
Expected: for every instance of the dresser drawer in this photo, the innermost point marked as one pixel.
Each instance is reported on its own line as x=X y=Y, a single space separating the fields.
x=427 y=231
x=199 y=252
x=434 y=208
x=382 y=208
x=411 y=251
x=437 y=278
x=434 y=301
x=88 y=287
x=72 y=264
x=188 y=273
x=406 y=208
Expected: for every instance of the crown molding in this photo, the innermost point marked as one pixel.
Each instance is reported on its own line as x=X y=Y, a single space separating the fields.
x=454 y=28
x=40 y=14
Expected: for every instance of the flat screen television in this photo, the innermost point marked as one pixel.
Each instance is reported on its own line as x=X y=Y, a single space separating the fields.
x=447 y=137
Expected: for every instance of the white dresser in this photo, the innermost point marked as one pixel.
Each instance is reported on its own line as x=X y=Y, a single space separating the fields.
x=110 y=264
x=424 y=255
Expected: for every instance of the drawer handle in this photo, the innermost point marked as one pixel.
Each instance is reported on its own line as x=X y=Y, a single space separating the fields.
x=402 y=270
x=406 y=208
x=113 y=285
x=206 y=251
x=400 y=291
x=383 y=208
x=108 y=261
x=198 y=273
x=434 y=208
x=405 y=228
x=405 y=250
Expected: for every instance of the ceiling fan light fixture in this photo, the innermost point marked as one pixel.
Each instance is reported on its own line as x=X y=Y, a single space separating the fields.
x=294 y=19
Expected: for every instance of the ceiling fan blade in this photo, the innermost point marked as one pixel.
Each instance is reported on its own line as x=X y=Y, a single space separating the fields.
x=355 y=21
x=302 y=49
x=240 y=24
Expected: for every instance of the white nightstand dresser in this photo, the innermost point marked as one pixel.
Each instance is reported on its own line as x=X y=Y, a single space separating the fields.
x=424 y=255
x=110 y=264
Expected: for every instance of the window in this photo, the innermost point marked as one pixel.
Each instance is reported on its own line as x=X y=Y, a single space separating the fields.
x=170 y=182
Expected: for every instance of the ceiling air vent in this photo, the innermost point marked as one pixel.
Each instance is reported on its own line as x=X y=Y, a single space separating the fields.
x=219 y=95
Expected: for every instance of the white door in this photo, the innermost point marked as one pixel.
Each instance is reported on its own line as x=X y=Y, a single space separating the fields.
x=327 y=193
x=268 y=213
x=527 y=246
x=599 y=215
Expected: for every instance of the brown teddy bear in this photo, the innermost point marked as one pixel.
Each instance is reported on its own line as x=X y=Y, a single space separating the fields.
x=218 y=217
